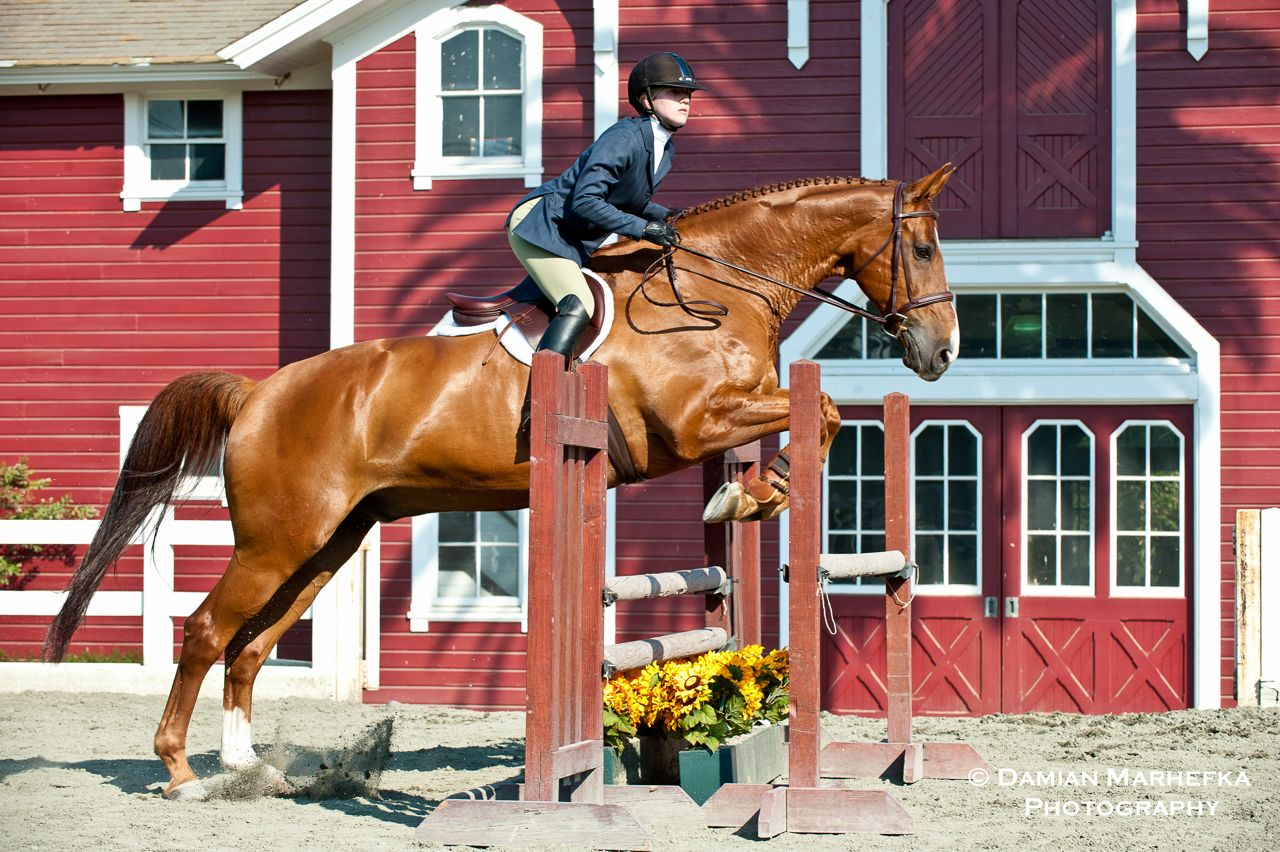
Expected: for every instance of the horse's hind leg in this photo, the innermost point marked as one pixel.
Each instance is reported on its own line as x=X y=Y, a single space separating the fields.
x=252 y=644
x=251 y=580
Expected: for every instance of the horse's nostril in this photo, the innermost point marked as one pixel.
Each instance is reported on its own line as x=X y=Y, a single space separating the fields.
x=946 y=356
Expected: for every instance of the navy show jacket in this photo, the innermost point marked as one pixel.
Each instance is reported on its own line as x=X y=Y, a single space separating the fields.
x=607 y=190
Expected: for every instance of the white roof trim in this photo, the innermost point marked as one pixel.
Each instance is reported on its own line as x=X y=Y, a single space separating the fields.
x=309 y=22
x=76 y=75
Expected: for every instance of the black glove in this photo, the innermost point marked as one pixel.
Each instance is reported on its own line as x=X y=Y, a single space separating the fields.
x=662 y=233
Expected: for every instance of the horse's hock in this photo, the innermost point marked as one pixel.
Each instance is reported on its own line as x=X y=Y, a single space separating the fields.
x=564 y=798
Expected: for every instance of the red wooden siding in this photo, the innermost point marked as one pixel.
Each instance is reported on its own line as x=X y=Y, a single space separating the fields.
x=1208 y=201
x=112 y=305
x=1033 y=158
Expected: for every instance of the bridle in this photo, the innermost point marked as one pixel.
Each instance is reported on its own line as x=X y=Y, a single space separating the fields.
x=893 y=318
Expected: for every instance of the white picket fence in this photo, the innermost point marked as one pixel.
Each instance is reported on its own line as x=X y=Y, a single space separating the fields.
x=344 y=620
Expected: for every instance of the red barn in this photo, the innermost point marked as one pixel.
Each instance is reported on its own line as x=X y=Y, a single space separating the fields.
x=238 y=186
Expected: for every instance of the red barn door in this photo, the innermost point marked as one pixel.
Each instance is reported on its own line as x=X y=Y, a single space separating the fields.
x=1052 y=547
x=1017 y=95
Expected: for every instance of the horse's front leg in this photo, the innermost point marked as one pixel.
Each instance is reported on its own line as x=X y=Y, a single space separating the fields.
x=748 y=417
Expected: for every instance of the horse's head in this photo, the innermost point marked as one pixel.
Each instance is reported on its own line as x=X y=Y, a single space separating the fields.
x=897 y=262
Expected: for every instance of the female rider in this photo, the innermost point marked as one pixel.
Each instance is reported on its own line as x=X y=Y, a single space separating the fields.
x=555 y=228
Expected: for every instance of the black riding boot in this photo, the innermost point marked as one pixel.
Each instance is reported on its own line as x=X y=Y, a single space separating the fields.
x=570 y=319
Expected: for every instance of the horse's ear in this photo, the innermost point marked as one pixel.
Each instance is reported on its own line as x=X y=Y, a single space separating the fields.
x=927 y=188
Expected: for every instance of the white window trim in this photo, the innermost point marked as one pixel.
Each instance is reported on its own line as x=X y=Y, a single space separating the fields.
x=425 y=607
x=1027 y=589
x=429 y=163
x=138 y=185
x=947 y=589
x=206 y=488
x=1160 y=592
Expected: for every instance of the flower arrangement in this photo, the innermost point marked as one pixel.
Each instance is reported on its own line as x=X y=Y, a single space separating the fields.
x=704 y=700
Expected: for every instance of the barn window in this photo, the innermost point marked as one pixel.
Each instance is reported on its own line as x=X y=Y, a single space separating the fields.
x=185 y=140
x=181 y=147
x=479 y=108
x=855 y=494
x=1147 y=500
x=468 y=566
x=479 y=555
x=483 y=95
x=946 y=505
x=1058 y=508
x=1060 y=325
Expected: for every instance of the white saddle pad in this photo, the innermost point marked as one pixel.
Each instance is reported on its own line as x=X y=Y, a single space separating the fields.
x=511 y=338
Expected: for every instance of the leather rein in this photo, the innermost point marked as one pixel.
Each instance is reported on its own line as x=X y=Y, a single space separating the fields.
x=892 y=321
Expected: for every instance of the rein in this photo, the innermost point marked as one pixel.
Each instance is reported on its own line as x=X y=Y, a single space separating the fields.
x=892 y=321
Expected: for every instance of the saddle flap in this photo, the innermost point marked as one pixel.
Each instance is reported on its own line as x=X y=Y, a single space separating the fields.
x=529 y=309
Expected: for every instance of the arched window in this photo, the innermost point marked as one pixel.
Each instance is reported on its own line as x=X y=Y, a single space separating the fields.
x=1058 y=518
x=479 y=96
x=854 y=502
x=1147 y=496
x=947 y=505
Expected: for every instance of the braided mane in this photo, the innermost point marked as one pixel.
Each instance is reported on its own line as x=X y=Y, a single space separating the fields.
x=756 y=192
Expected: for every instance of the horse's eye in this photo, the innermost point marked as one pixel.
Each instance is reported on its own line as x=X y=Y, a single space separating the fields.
x=924 y=251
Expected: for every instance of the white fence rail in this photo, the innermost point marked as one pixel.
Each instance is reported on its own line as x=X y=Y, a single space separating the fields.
x=344 y=619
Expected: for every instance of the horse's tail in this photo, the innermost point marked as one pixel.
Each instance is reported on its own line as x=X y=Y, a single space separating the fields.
x=181 y=434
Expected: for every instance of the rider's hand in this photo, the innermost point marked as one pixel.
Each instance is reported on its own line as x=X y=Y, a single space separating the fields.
x=662 y=233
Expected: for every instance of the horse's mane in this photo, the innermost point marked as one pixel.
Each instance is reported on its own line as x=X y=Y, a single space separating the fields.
x=757 y=192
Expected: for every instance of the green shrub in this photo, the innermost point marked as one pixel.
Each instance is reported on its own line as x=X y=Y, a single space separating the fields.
x=18 y=488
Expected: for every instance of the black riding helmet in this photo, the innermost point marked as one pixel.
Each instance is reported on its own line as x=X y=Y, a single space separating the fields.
x=657 y=70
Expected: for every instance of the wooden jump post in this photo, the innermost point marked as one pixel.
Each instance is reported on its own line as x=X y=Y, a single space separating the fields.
x=564 y=798
x=807 y=804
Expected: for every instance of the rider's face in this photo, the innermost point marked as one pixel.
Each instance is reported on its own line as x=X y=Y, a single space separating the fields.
x=672 y=105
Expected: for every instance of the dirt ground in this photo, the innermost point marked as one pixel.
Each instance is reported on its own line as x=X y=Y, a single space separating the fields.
x=77 y=772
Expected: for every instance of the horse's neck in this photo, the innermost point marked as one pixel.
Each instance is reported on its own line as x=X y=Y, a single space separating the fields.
x=801 y=252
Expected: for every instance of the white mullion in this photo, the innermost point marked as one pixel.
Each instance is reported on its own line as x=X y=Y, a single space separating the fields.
x=1044 y=326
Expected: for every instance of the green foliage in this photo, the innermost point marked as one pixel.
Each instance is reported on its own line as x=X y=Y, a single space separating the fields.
x=18 y=501
x=115 y=655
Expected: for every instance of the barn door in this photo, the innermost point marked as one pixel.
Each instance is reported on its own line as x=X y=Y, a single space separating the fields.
x=1052 y=546
x=955 y=644
x=1097 y=536
x=1014 y=93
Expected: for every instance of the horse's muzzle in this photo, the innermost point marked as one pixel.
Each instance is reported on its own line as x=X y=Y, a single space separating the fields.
x=926 y=356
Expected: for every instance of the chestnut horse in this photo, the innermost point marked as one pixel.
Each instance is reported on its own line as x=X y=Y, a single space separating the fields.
x=323 y=449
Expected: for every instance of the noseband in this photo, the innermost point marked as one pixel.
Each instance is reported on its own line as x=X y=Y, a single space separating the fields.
x=893 y=317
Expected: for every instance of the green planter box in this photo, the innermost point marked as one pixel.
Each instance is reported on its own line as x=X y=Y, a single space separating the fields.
x=755 y=758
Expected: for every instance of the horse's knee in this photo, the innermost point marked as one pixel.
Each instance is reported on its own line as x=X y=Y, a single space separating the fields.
x=200 y=641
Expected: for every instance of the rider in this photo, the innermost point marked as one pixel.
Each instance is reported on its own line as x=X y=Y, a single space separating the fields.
x=555 y=228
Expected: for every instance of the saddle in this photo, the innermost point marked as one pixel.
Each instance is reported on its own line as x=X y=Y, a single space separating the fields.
x=529 y=310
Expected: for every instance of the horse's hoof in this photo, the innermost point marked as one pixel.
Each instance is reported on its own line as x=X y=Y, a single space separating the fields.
x=731 y=502
x=187 y=791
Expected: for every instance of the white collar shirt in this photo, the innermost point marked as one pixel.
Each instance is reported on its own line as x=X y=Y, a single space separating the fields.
x=660 y=137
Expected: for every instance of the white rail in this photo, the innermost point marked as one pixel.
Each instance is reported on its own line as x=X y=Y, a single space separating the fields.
x=341 y=665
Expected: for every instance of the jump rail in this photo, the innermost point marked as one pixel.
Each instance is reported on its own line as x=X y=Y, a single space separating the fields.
x=564 y=798
x=805 y=805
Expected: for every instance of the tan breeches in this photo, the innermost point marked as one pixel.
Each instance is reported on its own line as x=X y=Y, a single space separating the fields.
x=556 y=276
